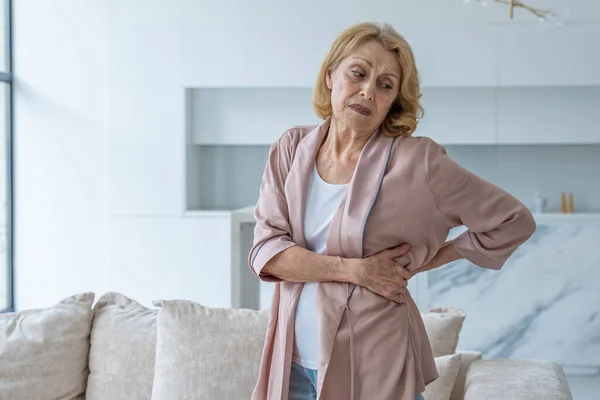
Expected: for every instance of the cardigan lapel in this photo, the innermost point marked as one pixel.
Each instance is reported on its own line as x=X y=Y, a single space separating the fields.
x=296 y=185
x=362 y=193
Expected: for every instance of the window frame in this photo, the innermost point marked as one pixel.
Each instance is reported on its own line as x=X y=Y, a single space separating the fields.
x=6 y=78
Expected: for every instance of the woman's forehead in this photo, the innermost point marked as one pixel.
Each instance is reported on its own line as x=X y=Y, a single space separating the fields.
x=376 y=56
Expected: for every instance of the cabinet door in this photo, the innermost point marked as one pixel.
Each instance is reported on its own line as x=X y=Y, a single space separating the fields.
x=538 y=56
x=454 y=57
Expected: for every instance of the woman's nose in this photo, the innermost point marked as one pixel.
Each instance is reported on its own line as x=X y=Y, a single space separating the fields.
x=367 y=91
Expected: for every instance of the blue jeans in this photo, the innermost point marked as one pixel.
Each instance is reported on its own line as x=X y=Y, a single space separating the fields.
x=303 y=384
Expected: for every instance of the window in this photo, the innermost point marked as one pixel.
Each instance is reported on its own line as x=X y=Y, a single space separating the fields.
x=6 y=285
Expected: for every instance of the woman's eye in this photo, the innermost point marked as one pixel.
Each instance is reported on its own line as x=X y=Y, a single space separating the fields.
x=386 y=86
x=358 y=74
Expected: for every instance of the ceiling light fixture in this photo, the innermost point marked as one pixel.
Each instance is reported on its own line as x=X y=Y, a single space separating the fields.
x=542 y=15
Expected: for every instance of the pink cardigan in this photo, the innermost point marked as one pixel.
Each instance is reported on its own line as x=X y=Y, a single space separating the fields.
x=404 y=190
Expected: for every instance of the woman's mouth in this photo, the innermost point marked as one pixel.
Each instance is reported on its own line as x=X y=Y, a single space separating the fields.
x=360 y=109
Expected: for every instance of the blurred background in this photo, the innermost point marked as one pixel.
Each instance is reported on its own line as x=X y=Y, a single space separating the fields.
x=136 y=133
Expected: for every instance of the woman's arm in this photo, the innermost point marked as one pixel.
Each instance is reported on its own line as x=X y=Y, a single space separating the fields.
x=297 y=264
x=379 y=273
x=272 y=232
x=497 y=222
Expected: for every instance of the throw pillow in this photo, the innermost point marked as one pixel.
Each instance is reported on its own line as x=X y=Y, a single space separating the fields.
x=122 y=349
x=44 y=352
x=207 y=353
x=441 y=388
x=443 y=325
x=466 y=359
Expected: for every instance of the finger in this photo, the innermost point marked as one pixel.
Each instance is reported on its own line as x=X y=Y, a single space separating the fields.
x=396 y=297
x=399 y=299
x=405 y=274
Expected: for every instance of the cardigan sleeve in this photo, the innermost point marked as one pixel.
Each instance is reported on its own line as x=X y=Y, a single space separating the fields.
x=497 y=223
x=272 y=232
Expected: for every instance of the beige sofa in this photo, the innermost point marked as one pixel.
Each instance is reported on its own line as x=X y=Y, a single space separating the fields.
x=119 y=349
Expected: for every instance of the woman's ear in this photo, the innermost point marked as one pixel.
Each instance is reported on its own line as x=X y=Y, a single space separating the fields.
x=328 y=80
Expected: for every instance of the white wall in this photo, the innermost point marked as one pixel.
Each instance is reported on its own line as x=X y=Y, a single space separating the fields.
x=60 y=104
x=100 y=135
x=99 y=164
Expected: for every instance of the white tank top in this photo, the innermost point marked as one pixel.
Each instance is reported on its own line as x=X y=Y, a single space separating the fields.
x=322 y=200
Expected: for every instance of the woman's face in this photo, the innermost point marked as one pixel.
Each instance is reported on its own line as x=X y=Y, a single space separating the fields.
x=364 y=86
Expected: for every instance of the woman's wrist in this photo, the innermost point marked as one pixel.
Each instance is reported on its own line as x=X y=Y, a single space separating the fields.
x=449 y=254
x=351 y=270
x=445 y=255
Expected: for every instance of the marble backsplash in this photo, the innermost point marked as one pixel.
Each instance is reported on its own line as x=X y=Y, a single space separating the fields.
x=544 y=303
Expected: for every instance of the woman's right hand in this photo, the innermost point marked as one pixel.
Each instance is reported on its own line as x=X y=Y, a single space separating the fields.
x=382 y=275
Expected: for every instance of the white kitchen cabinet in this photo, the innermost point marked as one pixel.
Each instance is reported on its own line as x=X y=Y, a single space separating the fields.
x=532 y=55
x=247 y=115
x=258 y=116
x=459 y=116
x=548 y=115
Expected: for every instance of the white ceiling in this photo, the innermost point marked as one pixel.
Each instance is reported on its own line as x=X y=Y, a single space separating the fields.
x=338 y=14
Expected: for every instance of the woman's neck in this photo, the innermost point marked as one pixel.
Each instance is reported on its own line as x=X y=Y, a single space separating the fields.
x=342 y=142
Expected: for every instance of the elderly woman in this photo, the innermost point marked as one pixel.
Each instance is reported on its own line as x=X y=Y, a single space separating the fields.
x=348 y=211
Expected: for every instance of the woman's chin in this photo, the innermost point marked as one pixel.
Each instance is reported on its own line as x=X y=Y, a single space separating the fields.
x=360 y=122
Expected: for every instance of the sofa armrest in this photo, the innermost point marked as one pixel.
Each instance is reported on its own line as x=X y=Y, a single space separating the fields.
x=516 y=379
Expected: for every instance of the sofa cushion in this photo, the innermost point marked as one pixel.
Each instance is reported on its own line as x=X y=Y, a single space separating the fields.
x=207 y=353
x=441 y=388
x=516 y=379
x=122 y=349
x=466 y=359
x=44 y=352
x=443 y=325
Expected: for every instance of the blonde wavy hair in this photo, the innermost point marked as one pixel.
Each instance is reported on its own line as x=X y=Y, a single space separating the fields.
x=402 y=118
